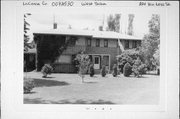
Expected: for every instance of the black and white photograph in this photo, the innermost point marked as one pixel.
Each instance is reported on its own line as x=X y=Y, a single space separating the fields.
x=92 y=58
x=89 y=59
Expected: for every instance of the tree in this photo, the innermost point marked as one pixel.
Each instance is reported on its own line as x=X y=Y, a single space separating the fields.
x=113 y=23
x=151 y=41
x=157 y=57
x=26 y=28
x=49 y=50
x=138 y=68
x=130 y=24
x=83 y=66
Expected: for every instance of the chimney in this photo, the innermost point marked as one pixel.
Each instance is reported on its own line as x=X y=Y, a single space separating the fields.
x=54 y=25
x=54 y=22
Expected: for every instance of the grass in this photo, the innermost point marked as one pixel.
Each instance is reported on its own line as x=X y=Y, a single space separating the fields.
x=69 y=89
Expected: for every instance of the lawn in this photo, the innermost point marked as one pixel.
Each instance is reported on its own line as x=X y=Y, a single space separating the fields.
x=68 y=89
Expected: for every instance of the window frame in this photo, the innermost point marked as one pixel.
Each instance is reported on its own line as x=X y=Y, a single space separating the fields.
x=134 y=45
x=97 y=42
x=105 y=44
x=89 y=43
x=126 y=42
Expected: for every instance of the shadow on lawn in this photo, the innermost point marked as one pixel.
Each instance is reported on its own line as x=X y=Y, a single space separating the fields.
x=48 y=83
x=40 y=101
x=91 y=82
x=49 y=77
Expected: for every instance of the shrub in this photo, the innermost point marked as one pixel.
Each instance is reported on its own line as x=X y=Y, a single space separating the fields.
x=46 y=69
x=127 y=56
x=28 y=85
x=138 y=68
x=127 y=70
x=91 y=69
x=114 y=70
x=103 y=71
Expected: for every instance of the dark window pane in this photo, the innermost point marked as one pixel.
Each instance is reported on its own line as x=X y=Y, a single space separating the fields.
x=105 y=43
x=96 y=60
x=97 y=42
x=134 y=44
x=126 y=44
x=88 y=42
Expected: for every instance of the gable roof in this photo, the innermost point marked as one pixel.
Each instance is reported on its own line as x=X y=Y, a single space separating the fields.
x=94 y=34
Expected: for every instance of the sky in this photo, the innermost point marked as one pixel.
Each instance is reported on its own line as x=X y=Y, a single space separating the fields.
x=42 y=22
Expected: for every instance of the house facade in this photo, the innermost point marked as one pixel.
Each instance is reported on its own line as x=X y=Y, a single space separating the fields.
x=102 y=48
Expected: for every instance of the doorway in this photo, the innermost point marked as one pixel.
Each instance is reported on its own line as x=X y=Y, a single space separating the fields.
x=96 y=62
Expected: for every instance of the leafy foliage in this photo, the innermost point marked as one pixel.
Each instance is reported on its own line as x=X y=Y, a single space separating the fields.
x=157 y=57
x=28 y=85
x=138 y=68
x=103 y=71
x=113 y=22
x=83 y=66
x=127 y=70
x=91 y=69
x=127 y=56
x=26 y=28
x=46 y=69
x=130 y=24
x=151 y=41
x=48 y=51
x=114 y=70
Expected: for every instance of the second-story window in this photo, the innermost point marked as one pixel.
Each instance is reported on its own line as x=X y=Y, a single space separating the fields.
x=97 y=42
x=73 y=41
x=105 y=43
x=88 y=42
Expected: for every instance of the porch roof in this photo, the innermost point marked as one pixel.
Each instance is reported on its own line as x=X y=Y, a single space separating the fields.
x=94 y=34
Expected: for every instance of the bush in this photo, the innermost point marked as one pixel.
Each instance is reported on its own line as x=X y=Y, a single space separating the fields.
x=103 y=71
x=139 y=68
x=158 y=71
x=127 y=56
x=46 y=69
x=127 y=70
x=114 y=70
x=28 y=85
x=91 y=69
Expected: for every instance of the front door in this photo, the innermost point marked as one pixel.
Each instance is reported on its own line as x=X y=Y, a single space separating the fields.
x=96 y=62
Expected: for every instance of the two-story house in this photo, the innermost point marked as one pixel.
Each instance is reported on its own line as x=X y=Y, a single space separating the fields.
x=101 y=46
